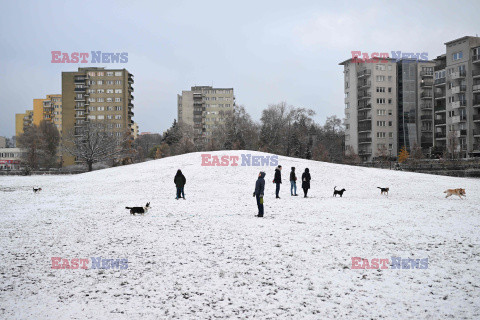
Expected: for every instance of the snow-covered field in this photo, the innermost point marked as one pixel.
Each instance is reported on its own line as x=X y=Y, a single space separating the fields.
x=209 y=257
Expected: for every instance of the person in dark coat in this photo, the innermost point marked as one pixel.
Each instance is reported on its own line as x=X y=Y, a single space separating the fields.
x=293 y=182
x=180 y=182
x=306 y=181
x=277 y=179
x=258 y=193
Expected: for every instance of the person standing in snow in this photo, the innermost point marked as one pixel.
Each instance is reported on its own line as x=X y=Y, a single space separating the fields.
x=293 y=182
x=277 y=179
x=258 y=193
x=306 y=182
x=180 y=182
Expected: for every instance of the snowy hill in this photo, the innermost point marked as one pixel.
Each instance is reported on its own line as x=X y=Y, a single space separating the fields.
x=209 y=257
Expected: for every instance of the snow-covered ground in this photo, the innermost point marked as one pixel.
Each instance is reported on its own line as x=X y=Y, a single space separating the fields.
x=209 y=257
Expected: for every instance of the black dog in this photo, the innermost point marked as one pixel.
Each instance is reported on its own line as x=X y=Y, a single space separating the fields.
x=37 y=190
x=340 y=192
x=384 y=190
x=139 y=210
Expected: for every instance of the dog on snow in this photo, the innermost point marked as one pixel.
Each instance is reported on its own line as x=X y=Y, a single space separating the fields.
x=35 y=190
x=139 y=210
x=384 y=190
x=457 y=192
x=340 y=192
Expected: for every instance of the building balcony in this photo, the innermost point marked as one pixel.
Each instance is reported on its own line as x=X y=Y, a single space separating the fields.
x=365 y=95
x=476 y=118
x=131 y=113
x=364 y=84
x=367 y=106
x=426 y=95
x=440 y=82
x=476 y=103
x=426 y=139
x=425 y=74
x=426 y=106
x=426 y=83
x=80 y=99
x=365 y=129
x=476 y=88
x=459 y=118
x=130 y=89
x=361 y=119
x=439 y=109
x=364 y=73
x=458 y=75
x=441 y=122
x=440 y=135
x=427 y=129
x=364 y=152
x=427 y=117
x=459 y=89
x=476 y=73
x=80 y=89
x=476 y=58
x=459 y=104
x=130 y=80
x=364 y=140
x=476 y=133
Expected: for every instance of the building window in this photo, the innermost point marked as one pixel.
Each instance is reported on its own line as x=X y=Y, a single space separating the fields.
x=381 y=112
x=101 y=109
x=390 y=112
x=100 y=82
x=118 y=81
x=380 y=67
x=389 y=101
x=118 y=99
x=100 y=99
x=381 y=123
x=457 y=56
x=109 y=74
x=118 y=125
x=381 y=134
x=91 y=74
x=381 y=100
x=118 y=74
x=389 y=78
x=389 y=89
x=390 y=134
x=380 y=89
x=109 y=99
x=100 y=74
x=390 y=123
x=100 y=117
x=100 y=91
x=118 y=117
x=390 y=146
x=380 y=78
x=118 y=108
x=118 y=90
x=91 y=117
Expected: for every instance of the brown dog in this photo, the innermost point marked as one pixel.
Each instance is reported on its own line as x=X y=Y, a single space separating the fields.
x=458 y=192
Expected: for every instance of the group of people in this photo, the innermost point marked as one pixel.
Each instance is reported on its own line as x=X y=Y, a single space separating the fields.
x=277 y=179
x=180 y=182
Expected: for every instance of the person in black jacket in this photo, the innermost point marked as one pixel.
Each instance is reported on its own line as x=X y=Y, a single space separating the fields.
x=306 y=181
x=277 y=179
x=258 y=193
x=293 y=183
x=180 y=182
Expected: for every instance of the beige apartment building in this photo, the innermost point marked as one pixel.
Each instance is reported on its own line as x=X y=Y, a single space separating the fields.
x=97 y=94
x=48 y=109
x=23 y=120
x=458 y=74
x=203 y=108
x=371 y=108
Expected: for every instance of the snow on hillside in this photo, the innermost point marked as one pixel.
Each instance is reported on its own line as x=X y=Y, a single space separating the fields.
x=209 y=257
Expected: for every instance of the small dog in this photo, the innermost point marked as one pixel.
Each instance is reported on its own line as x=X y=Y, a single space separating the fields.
x=35 y=190
x=384 y=190
x=458 y=192
x=139 y=210
x=340 y=192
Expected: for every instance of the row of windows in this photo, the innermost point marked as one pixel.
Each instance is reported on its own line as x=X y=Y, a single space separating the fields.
x=384 y=123
x=102 y=73
x=216 y=91
x=108 y=117
x=218 y=105
x=382 y=89
x=108 y=108
x=107 y=82
x=382 y=78
x=384 y=134
x=104 y=99
x=218 y=98
x=103 y=91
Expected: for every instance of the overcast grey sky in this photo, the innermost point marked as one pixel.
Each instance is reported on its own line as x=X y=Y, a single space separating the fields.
x=268 y=51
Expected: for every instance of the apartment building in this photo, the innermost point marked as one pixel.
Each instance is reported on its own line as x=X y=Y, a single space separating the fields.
x=371 y=124
x=135 y=130
x=48 y=109
x=10 y=158
x=23 y=120
x=203 y=108
x=440 y=103
x=415 y=104
x=462 y=96
x=97 y=94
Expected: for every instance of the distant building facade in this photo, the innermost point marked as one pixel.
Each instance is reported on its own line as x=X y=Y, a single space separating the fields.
x=10 y=158
x=48 y=109
x=23 y=120
x=203 y=108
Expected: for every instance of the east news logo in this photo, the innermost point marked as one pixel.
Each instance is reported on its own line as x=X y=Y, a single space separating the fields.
x=96 y=263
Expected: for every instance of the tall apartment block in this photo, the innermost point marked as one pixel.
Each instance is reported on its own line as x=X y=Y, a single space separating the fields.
x=48 y=109
x=203 y=108
x=97 y=94
x=415 y=104
x=457 y=78
x=23 y=120
x=371 y=108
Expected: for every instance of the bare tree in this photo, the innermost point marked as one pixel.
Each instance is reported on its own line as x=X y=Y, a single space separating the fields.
x=30 y=140
x=95 y=142
x=453 y=144
x=50 y=140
